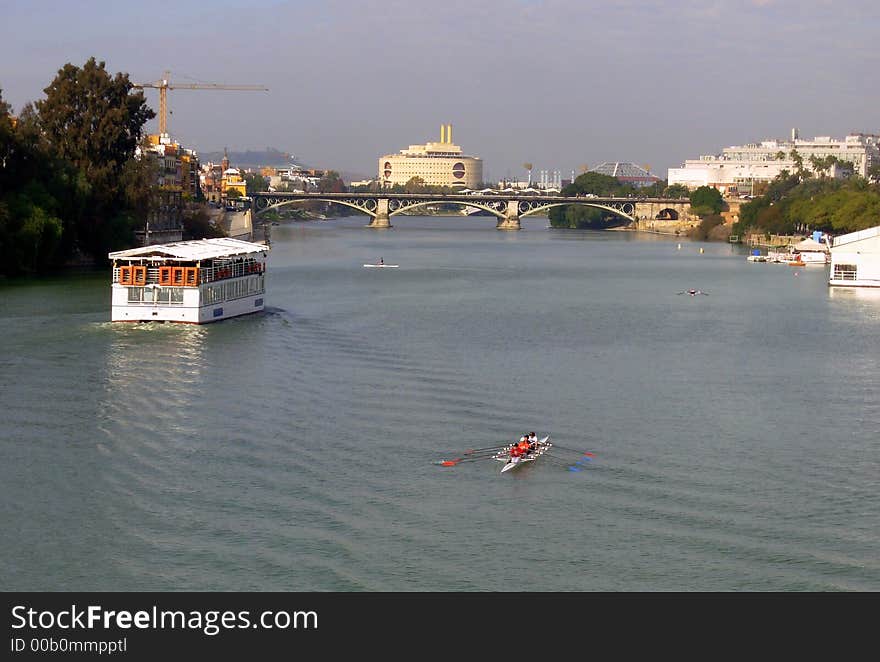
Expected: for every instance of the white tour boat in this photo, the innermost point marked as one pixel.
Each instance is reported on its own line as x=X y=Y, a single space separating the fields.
x=194 y=282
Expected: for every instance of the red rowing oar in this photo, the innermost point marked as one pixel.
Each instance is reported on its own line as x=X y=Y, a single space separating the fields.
x=458 y=460
x=487 y=448
x=475 y=454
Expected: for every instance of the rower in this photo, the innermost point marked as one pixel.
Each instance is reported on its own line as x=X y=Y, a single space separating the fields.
x=533 y=441
x=381 y=260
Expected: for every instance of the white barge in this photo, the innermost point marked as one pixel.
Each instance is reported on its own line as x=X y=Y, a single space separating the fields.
x=192 y=282
x=855 y=259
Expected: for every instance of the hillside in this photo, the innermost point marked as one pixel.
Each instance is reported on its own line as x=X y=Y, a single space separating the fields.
x=250 y=158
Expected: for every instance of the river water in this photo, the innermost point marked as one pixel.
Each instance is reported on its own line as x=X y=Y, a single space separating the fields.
x=735 y=436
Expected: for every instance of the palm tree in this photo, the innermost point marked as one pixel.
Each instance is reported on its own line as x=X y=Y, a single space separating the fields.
x=798 y=163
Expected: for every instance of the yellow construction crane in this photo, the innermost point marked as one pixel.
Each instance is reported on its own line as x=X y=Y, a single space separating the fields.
x=164 y=85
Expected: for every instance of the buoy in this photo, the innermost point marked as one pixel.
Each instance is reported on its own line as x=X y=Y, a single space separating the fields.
x=701 y=250
x=679 y=247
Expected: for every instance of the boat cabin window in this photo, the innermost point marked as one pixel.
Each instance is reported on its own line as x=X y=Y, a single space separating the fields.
x=169 y=295
x=135 y=294
x=845 y=271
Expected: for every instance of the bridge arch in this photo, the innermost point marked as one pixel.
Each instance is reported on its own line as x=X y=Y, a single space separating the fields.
x=367 y=206
x=624 y=210
x=497 y=208
x=667 y=214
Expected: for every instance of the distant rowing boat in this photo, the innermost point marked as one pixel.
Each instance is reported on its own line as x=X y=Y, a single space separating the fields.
x=543 y=446
x=383 y=266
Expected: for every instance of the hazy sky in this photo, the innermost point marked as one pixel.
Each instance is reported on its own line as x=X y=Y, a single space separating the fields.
x=558 y=83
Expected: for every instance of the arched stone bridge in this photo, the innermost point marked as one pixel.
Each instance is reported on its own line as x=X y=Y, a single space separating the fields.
x=507 y=207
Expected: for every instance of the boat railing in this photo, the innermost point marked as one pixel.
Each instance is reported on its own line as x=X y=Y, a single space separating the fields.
x=845 y=272
x=206 y=274
x=222 y=271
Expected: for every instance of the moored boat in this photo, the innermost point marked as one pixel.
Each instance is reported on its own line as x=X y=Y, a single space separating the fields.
x=811 y=251
x=193 y=282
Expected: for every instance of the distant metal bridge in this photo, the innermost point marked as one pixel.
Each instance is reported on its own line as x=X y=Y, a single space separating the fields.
x=506 y=207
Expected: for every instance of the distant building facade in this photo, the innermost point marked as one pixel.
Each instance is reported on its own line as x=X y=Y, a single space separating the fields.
x=738 y=168
x=212 y=182
x=220 y=182
x=627 y=173
x=232 y=184
x=436 y=163
x=295 y=178
x=177 y=180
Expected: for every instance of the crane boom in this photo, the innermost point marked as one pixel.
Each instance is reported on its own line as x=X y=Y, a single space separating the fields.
x=163 y=86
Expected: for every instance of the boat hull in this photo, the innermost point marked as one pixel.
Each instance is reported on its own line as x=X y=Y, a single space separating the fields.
x=187 y=312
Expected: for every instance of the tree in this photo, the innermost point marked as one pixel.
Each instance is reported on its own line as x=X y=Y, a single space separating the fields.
x=703 y=231
x=588 y=183
x=254 y=182
x=706 y=200
x=414 y=185
x=331 y=182
x=5 y=139
x=798 y=163
x=595 y=183
x=676 y=191
x=197 y=225
x=790 y=205
x=94 y=122
x=655 y=190
x=30 y=185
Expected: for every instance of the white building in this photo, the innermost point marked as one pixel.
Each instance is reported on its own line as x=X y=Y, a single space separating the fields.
x=296 y=178
x=737 y=168
x=176 y=170
x=436 y=163
x=855 y=259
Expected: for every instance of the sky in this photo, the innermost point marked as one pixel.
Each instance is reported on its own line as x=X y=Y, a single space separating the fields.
x=561 y=84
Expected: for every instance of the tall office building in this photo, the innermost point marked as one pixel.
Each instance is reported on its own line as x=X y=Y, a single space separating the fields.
x=439 y=163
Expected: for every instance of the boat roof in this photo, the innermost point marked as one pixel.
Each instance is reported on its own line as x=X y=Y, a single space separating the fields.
x=867 y=233
x=809 y=245
x=196 y=249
